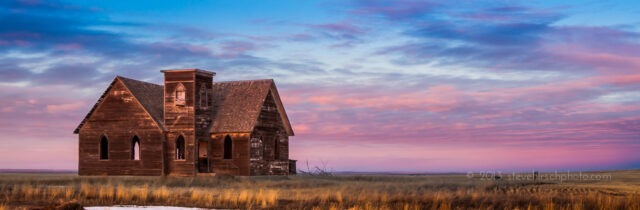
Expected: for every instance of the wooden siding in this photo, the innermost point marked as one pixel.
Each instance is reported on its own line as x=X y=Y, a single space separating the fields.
x=128 y=108
x=184 y=167
x=202 y=111
x=179 y=120
x=239 y=163
x=269 y=128
x=190 y=120
x=202 y=122
x=120 y=117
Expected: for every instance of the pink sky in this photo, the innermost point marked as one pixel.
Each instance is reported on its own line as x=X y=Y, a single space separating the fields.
x=368 y=85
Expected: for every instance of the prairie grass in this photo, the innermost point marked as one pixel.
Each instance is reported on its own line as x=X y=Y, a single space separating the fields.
x=335 y=192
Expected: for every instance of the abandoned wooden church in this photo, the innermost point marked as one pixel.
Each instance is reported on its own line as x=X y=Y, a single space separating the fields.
x=189 y=126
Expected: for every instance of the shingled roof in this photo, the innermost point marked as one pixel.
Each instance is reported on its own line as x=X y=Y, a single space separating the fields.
x=149 y=95
x=237 y=104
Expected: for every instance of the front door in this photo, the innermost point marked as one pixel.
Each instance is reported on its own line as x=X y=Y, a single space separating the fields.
x=203 y=158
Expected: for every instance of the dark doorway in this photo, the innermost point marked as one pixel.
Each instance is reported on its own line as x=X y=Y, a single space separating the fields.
x=180 y=148
x=203 y=156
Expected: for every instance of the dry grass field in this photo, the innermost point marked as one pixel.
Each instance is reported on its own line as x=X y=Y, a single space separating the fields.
x=616 y=190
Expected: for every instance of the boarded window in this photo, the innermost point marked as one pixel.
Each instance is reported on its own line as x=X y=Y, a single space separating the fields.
x=180 y=96
x=228 y=146
x=256 y=149
x=180 y=148
x=204 y=99
x=104 y=148
x=135 y=148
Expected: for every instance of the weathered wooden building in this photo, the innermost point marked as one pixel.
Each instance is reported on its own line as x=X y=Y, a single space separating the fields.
x=188 y=126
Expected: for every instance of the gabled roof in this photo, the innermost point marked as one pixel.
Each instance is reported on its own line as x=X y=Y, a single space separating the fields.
x=237 y=105
x=149 y=95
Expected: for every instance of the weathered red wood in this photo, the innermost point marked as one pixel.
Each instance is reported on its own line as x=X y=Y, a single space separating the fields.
x=120 y=117
x=133 y=108
x=269 y=128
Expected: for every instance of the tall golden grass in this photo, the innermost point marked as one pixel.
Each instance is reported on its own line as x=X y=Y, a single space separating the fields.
x=336 y=192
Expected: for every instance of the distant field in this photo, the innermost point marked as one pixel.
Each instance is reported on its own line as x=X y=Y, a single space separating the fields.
x=611 y=190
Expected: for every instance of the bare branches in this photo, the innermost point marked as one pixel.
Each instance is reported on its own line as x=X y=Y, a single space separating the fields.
x=316 y=170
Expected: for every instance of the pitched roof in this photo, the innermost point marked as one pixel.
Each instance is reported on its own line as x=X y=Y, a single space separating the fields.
x=237 y=105
x=149 y=95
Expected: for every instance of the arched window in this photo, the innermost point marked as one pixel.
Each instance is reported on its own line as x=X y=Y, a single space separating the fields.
x=204 y=100
x=228 y=146
x=180 y=96
x=104 y=148
x=180 y=148
x=135 y=148
x=276 y=148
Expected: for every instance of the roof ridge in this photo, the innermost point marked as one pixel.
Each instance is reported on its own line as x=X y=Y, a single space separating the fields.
x=143 y=97
x=135 y=80
x=248 y=80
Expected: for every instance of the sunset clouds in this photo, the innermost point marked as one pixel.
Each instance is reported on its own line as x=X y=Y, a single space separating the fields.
x=368 y=85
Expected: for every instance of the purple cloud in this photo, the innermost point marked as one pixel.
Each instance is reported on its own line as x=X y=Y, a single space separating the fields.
x=396 y=10
x=446 y=79
x=520 y=38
